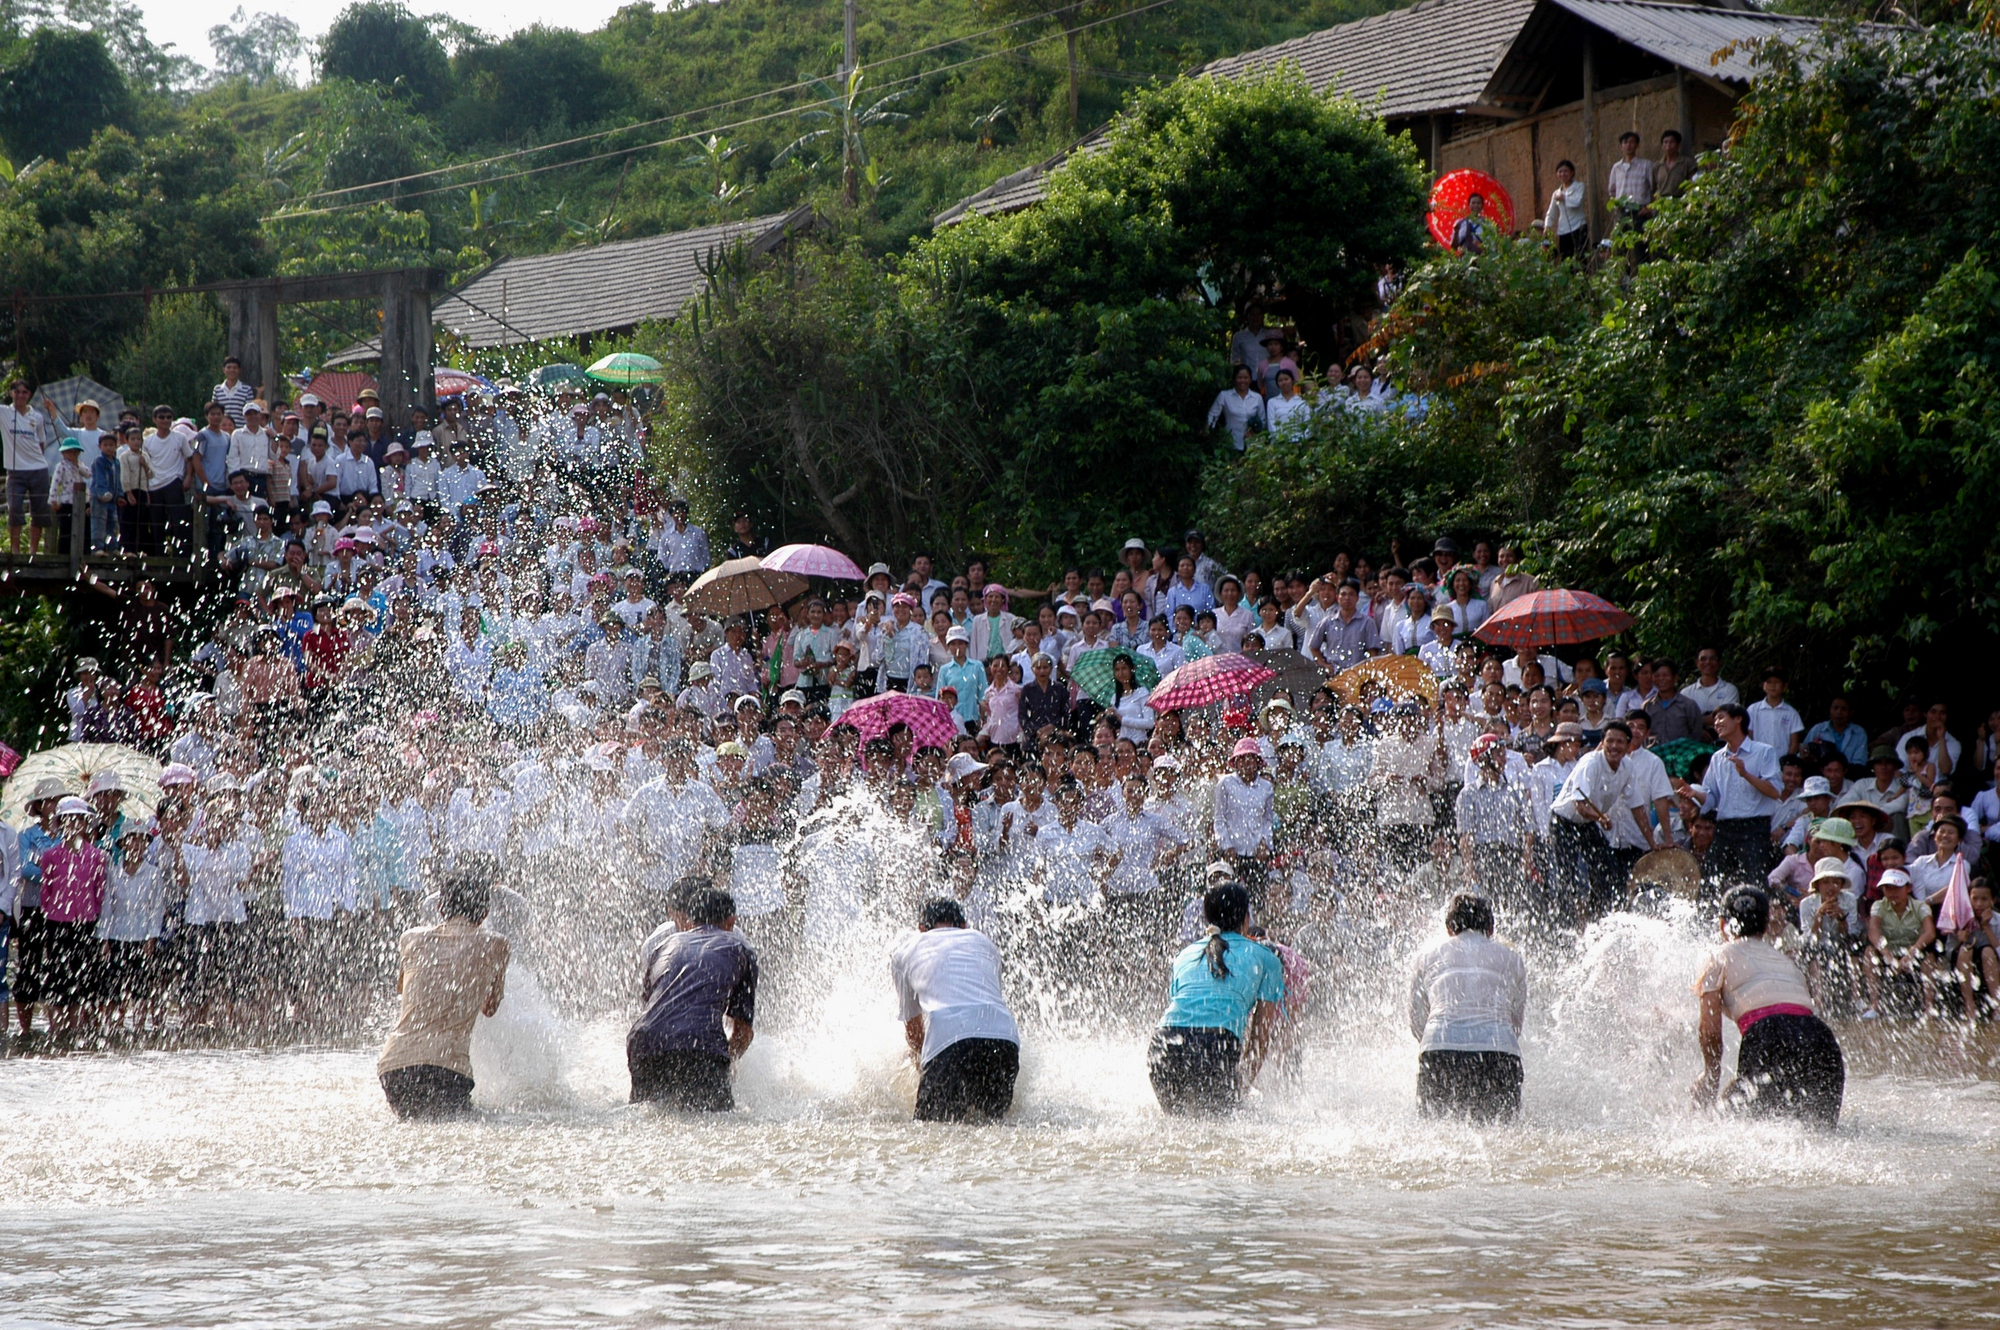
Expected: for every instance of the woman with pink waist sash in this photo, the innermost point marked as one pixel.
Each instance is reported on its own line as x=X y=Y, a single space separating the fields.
x=1788 y=1062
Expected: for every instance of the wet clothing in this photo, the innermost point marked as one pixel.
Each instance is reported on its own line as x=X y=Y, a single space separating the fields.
x=1458 y=1083
x=951 y=977
x=1790 y=1065
x=1468 y=994
x=450 y=971
x=1199 y=1000
x=1193 y=1071
x=1788 y=1061
x=423 y=1091
x=680 y=1079
x=971 y=1079
x=692 y=981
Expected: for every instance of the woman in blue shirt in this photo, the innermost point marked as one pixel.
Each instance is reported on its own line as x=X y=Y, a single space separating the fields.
x=1224 y=996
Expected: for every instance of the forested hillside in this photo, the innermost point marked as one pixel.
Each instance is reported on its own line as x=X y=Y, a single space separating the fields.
x=130 y=167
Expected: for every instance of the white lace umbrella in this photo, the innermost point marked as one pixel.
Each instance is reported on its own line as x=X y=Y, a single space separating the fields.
x=74 y=765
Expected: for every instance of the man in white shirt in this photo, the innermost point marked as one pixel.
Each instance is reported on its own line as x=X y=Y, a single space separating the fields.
x=682 y=548
x=1711 y=690
x=355 y=473
x=250 y=449
x=955 y=1017
x=420 y=475
x=319 y=470
x=1944 y=749
x=673 y=818
x=1631 y=182
x=459 y=483
x=25 y=434
x=170 y=457
x=1589 y=866
x=1773 y=720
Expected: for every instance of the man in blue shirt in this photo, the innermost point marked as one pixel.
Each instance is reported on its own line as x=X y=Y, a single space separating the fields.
x=211 y=446
x=699 y=999
x=1839 y=732
x=1742 y=788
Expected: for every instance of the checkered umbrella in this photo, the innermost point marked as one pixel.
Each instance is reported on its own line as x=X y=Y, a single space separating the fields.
x=60 y=399
x=1544 y=618
x=1210 y=679
x=1093 y=672
x=929 y=719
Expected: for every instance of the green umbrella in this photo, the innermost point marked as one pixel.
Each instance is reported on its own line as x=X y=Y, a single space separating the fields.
x=551 y=377
x=1092 y=672
x=626 y=367
x=1678 y=756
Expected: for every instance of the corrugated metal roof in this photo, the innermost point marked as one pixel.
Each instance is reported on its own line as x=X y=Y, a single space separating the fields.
x=1436 y=55
x=591 y=289
x=1432 y=57
x=1715 y=42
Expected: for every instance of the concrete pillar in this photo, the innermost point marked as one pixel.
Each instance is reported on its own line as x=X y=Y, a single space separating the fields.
x=406 y=348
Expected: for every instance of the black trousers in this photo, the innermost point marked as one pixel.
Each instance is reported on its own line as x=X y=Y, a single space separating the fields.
x=1741 y=853
x=970 y=1080
x=1484 y=1087
x=681 y=1079
x=1790 y=1066
x=425 y=1091
x=1194 y=1071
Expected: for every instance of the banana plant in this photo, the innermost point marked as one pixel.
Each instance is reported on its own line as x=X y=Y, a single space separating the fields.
x=713 y=156
x=847 y=124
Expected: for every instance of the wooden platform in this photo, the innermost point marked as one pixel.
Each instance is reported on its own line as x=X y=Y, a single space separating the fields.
x=57 y=574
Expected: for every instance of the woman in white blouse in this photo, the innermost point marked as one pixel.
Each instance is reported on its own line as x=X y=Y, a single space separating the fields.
x=1467 y=610
x=1566 y=220
x=1129 y=696
x=1238 y=407
x=1286 y=411
x=1232 y=617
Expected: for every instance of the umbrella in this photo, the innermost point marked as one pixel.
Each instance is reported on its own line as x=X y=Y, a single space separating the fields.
x=626 y=367
x=812 y=561
x=1544 y=618
x=1451 y=198
x=74 y=765
x=1400 y=676
x=458 y=382
x=1092 y=672
x=1298 y=675
x=59 y=399
x=550 y=378
x=740 y=586
x=1210 y=679
x=929 y=720
x=1679 y=756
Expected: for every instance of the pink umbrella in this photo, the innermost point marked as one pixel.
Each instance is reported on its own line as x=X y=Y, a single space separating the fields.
x=812 y=561
x=929 y=719
x=1210 y=679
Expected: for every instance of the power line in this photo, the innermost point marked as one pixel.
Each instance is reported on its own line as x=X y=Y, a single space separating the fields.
x=702 y=110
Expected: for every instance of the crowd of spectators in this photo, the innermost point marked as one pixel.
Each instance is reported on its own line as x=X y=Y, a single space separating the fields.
x=419 y=663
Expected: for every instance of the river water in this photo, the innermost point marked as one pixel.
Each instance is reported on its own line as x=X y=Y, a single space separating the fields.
x=273 y=1188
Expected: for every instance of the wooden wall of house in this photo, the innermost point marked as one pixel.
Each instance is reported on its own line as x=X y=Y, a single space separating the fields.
x=1522 y=154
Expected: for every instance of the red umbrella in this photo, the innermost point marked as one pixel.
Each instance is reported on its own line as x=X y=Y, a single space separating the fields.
x=1210 y=679
x=929 y=720
x=813 y=561
x=1450 y=197
x=1544 y=618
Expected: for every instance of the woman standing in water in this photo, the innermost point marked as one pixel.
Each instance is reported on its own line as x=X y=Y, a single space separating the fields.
x=1788 y=1061
x=1221 y=1007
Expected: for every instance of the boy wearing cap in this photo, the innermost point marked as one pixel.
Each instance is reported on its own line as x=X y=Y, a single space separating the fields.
x=966 y=680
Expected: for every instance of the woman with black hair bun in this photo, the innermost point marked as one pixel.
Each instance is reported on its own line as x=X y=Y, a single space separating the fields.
x=1221 y=1008
x=1468 y=997
x=1788 y=1063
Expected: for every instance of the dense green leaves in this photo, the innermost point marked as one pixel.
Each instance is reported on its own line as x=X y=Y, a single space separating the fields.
x=59 y=89
x=381 y=42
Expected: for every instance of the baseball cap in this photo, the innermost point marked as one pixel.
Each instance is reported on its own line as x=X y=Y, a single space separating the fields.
x=1891 y=877
x=963 y=765
x=71 y=806
x=1246 y=748
x=374 y=413
x=957 y=634
x=1486 y=745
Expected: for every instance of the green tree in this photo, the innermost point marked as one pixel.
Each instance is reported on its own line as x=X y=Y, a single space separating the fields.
x=830 y=395
x=1781 y=427
x=60 y=88
x=261 y=49
x=1101 y=316
x=539 y=83
x=381 y=42
x=174 y=356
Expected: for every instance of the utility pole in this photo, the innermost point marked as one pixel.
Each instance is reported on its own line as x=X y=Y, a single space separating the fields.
x=849 y=181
